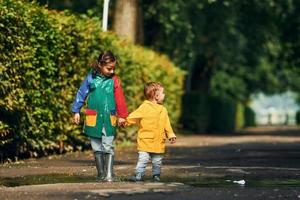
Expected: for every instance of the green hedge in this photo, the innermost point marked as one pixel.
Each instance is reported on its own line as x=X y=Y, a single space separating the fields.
x=249 y=116
x=196 y=111
x=223 y=115
x=45 y=55
x=205 y=113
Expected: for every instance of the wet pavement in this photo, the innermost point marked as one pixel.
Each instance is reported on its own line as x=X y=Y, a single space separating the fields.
x=258 y=163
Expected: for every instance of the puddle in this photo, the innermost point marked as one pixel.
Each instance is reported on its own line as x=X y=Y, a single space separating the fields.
x=234 y=182
x=248 y=183
x=50 y=179
x=44 y=179
x=196 y=182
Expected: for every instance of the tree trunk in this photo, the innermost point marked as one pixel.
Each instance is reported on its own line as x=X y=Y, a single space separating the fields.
x=126 y=19
x=140 y=26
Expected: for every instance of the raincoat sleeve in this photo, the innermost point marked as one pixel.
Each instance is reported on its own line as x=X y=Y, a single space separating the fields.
x=82 y=93
x=168 y=128
x=120 y=98
x=135 y=116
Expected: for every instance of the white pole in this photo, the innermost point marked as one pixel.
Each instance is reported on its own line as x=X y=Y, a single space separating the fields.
x=105 y=15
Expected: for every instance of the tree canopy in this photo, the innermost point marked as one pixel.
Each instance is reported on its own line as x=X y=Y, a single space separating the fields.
x=232 y=48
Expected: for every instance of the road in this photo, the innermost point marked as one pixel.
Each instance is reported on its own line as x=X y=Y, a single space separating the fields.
x=258 y=163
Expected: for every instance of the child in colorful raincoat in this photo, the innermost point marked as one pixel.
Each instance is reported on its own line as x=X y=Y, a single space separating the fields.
x=106 y=108
x=154 y=129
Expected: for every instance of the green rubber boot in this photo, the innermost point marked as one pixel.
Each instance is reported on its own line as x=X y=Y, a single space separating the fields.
x=99 y=165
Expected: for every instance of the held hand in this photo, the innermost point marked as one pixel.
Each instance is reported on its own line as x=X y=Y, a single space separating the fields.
x=121 y=122
x=172 y=140
x=76 y=118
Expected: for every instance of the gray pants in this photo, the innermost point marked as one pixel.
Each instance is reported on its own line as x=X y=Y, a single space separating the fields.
x=156 y=159
x=104 y=144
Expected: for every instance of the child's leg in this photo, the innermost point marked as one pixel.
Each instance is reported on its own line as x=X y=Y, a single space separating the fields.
x=141 y=164
x=97 y=147
x=107 y=144
x=108 y=148
x=156 y=159
x=96 y=144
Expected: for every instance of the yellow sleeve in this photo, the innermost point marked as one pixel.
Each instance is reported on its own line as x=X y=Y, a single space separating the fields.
x=168 y=128
x=135 y=116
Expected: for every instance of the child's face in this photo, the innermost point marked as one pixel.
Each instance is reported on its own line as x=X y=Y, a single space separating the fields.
x=160 y=96
x=108 y=69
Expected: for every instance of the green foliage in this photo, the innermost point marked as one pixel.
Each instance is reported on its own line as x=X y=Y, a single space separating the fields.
x=79 y=6
x=207 y=113
x=240 y=43
x=239 y=116
x=196 y=115
x=288 y=54
x=224 y=113
x=45 y=55
x=249 y=116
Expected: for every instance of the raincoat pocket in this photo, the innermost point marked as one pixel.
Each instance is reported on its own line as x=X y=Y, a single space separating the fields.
x=113 y=118
x=90 y=117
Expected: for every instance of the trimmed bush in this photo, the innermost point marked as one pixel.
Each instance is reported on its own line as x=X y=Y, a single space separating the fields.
x=239 y=116
x=223 y=115
x=205 y=113
x=196 y=111
x=45 y=55
x=249 y=116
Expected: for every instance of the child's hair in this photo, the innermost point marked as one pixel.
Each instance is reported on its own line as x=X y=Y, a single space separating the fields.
x=150 y=89
x=105 y=58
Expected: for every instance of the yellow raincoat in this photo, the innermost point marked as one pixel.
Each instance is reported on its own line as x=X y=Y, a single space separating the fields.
x=154 y=127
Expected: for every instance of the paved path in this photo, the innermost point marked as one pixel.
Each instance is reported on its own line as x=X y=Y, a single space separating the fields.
x=196 y=167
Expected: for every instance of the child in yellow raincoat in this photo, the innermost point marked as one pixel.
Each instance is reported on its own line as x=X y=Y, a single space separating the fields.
x=154 y=129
